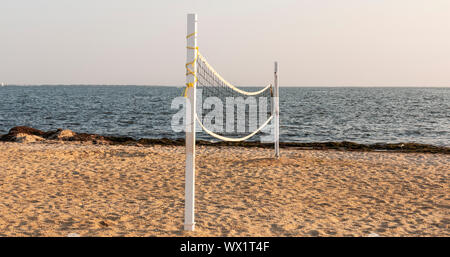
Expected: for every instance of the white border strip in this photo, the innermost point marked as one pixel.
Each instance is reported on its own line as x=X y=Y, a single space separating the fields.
x=229 y=138
x=228 y=83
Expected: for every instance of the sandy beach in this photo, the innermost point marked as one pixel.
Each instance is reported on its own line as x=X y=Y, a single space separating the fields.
x=54 y=189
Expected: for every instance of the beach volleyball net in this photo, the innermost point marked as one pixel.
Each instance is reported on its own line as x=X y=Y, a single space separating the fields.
x=205 y=87
x=231 y=114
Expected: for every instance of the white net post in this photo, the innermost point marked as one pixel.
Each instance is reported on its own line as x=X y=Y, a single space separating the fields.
x=276 y=114
x=189 y=223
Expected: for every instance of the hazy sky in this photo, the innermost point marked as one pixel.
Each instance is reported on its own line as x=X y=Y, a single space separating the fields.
x=316 y=42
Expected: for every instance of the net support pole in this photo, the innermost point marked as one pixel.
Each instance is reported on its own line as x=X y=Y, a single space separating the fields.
x=276 y=109
x=189 y=223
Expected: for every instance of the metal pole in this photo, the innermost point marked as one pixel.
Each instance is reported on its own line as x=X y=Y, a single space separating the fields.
x=189 y=223
x=276 y=113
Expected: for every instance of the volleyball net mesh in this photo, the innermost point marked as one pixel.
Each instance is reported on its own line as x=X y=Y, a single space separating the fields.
x=227 y=112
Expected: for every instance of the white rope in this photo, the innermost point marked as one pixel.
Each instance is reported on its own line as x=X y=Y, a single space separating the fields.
x=229 y=138
x=228 y=83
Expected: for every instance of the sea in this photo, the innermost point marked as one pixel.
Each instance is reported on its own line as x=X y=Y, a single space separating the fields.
x=364 y=115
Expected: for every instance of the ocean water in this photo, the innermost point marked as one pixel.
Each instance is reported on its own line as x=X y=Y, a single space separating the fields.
x=361 y=115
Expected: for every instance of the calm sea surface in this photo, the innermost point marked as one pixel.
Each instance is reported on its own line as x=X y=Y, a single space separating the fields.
x=362 y=115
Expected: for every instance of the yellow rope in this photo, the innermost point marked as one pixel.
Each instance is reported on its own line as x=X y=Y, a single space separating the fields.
x=189 y=71
x=190 y=35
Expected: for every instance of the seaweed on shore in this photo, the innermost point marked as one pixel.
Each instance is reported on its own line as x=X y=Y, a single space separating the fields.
x=123 y=140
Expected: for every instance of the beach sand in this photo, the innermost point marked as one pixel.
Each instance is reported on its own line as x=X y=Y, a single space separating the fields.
x=54 y=189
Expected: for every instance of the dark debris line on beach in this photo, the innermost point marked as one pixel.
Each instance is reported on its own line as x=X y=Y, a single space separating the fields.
x=121 y=140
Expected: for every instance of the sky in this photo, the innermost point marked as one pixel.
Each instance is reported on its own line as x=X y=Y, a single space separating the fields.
x=143 y=42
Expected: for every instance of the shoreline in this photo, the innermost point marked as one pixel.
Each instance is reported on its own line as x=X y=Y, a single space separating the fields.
x=20 y=133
